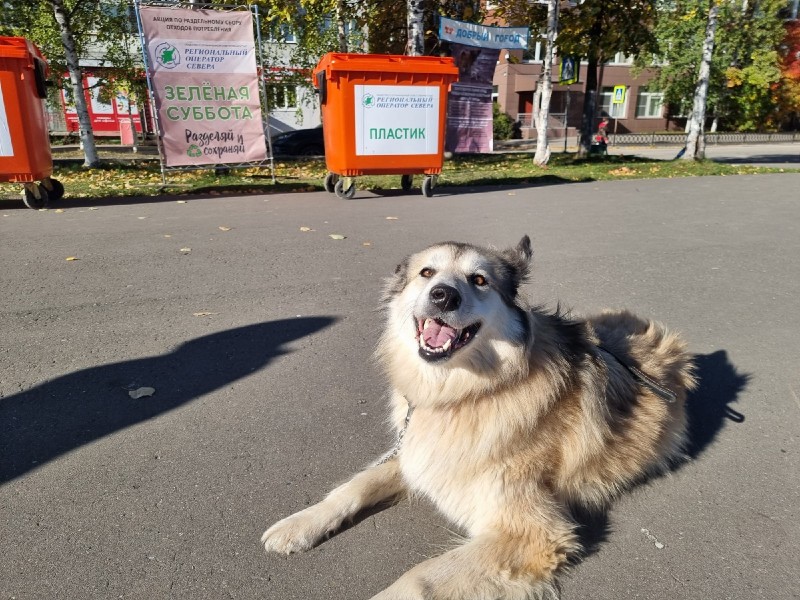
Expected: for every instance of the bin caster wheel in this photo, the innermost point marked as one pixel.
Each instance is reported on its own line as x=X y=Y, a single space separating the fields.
x=55 y=189
x=35 y=198
x=330 y=182
x=345 y=193
x=406 y=181
x=427 y=186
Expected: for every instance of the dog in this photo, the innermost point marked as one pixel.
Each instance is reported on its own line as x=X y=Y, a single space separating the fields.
x=508 y=418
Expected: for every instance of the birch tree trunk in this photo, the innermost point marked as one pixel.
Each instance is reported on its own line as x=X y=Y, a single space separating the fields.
x=542 y=155
x=76 y=79
x=695 y=140
x=341 y=15
x=365 y=28
x=416 y=27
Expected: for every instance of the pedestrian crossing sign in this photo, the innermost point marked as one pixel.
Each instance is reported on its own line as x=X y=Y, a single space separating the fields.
x=619 y=95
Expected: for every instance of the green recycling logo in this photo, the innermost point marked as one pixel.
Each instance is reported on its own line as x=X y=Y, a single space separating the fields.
x=194 y=151
x=368 y=101
x=167 y=55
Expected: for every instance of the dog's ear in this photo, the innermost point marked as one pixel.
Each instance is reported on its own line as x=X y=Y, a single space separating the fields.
x=519 y=259
x=513 y=269
x=524 y=249
x=396 y=283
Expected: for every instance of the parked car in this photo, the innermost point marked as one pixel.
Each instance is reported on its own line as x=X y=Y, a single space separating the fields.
x=300 y=142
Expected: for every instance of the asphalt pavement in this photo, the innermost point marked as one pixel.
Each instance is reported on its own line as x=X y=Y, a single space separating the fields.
x=256 y=336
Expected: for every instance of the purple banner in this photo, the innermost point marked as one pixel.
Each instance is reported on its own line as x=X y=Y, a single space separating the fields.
x=469 y=106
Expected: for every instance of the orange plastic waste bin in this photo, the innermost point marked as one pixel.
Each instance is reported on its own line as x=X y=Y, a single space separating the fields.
x=24 y=138
x=383 y=115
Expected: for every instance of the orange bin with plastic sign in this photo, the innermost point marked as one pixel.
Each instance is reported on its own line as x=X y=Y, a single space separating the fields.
x=383 y=115
x=24 y=137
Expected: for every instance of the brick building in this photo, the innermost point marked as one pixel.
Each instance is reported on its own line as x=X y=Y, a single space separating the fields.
x=641 y=112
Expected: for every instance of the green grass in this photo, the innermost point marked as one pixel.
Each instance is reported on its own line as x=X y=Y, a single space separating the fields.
x=143 y=178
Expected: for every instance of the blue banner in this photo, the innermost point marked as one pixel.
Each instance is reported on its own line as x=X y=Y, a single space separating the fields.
x=472 y=34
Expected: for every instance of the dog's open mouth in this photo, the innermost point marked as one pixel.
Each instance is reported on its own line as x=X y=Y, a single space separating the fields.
x=438 y=340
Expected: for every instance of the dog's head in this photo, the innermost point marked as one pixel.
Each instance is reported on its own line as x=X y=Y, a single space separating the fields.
x=455 y=306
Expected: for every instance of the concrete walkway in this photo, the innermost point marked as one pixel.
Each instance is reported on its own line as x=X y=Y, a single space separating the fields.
x=776 y=155
x=779 y=156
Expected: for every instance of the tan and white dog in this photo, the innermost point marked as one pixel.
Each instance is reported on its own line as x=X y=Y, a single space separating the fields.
x=507 y=417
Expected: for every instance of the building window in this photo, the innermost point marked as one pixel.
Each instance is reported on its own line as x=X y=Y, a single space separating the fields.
x=534 y=53
x=607 y=109
x=350 y=27
x=649 y=105
x=620 y=59
x=281 y=97
x=281 y=34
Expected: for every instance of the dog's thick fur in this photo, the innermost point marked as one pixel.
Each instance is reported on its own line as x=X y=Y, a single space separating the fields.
x=512 y=425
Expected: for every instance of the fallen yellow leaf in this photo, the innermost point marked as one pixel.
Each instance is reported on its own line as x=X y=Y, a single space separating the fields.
x=72 y=258
x=223 y=228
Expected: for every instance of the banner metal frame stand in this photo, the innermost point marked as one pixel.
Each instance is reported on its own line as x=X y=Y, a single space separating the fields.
x=269 y=160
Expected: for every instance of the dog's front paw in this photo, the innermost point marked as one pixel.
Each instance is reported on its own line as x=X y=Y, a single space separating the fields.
x=402 y=593
x=299 y=532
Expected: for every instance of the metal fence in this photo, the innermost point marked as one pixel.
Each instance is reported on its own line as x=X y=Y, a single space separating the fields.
x=678 y=139
x=557 y=123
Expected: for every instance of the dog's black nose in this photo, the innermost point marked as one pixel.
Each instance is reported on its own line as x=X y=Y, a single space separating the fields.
x=445 y=298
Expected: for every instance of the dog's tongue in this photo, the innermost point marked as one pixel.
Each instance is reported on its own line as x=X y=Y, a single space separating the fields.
x=436 y=334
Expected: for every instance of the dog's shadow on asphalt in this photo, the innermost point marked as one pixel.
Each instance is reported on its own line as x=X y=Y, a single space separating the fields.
x=708 y=409
x=42 y=423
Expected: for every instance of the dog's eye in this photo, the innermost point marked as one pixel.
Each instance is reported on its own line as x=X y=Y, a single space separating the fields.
x=479 y=280
x=427 y=273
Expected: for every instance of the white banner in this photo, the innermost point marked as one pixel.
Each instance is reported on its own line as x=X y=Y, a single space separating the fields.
x=205 y=83
x=396 y=119
x=6 y=148
x=472 y=34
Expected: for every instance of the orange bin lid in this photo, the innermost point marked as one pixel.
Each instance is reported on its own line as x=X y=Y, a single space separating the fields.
x=386 y=63
x=18 y=47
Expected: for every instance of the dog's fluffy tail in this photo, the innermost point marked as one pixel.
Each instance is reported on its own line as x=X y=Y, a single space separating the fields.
x=649 y=346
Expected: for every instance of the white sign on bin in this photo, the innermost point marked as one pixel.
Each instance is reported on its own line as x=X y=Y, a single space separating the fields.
x=6 y=148
x=396 y=119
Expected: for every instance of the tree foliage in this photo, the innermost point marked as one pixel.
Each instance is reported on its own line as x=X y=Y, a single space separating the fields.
x=788 y=91
x=745 y=71
x=299 y=32
x=103 y=31
x=594 y=30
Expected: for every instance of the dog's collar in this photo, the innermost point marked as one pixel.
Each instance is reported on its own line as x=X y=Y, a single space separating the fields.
x=658 y=389
x=400 y=435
